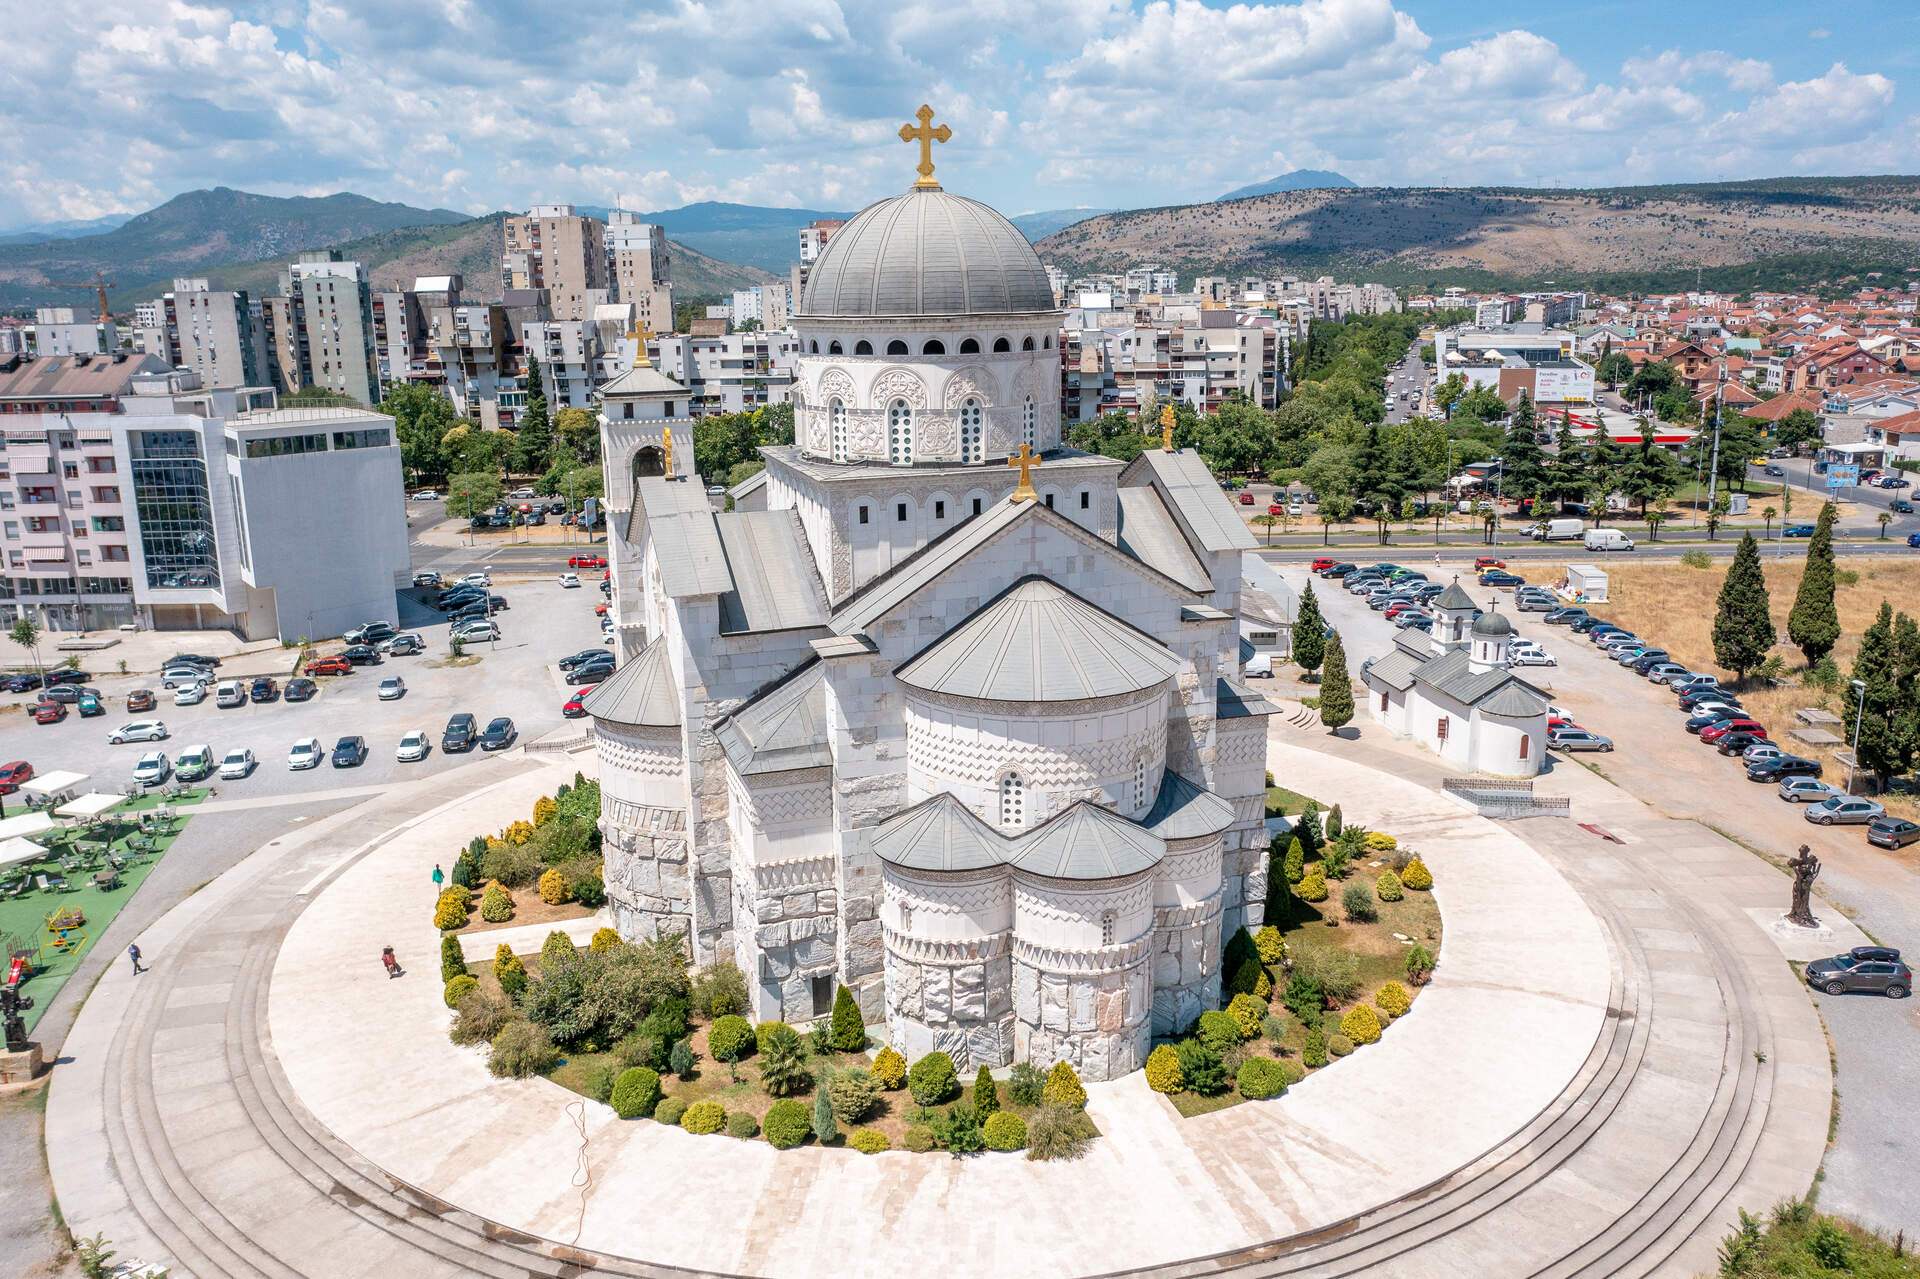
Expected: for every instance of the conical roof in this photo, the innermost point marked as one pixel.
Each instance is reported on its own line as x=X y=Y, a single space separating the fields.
x=641 y=693
x=1088 y=842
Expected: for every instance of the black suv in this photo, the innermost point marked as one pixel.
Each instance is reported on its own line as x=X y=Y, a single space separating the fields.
x=499 y=735
x=264 y=689
x=460 y=734
x=190 y=659
x=301 y=689
x=349 y=752
x=591 y=672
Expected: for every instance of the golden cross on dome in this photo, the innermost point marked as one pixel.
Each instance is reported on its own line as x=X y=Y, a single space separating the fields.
x=926 y=135
x=1026 y=460
x=1166 y=428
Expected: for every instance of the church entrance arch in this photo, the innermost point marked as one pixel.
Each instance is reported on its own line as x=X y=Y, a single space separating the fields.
x=649 y=461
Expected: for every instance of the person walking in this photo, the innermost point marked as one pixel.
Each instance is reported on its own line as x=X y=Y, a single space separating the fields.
x=438 y=879
x=133 y=953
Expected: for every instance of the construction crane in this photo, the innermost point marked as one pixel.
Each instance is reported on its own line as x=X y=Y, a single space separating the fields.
x=98 y=283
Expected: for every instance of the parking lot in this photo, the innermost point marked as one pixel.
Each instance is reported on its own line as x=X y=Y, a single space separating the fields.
x=513 y=676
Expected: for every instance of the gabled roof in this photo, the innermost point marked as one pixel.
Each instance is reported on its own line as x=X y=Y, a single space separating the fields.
x=753 y=482
x=1148 y=533
x=1515 y=700
x=640 y=693
x=780 y=728
x=774 y=585
x=679 y=520
x=1039 y=642
x=642 y=379
x=1087 y=842
x=1185 y=810
x=1396 y=669
x=1195 y=497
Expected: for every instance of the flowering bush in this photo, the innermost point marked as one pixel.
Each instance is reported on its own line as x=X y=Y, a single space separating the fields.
x=518 y=833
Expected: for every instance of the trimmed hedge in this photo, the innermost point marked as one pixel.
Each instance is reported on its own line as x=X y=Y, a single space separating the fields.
x=603 y=939
x=553 y=887
x=1314 y=1054
x=1292 y=1071
x=1416 y=876
x=1064 y=1088
x=849 y=1031
x=1389 y=887
x=635 y=1093
x=509 y=971
x=1218 y=1030
x=1247 y=1012
x=458 y=989
x=1271 y=945
x=919 y=1139
x=1361 y=1024
x=453 y=960
x=933 y=1079
x=868 y=1141
x=890 y=1068
x=1261 y=1078
x=730 y=1038
x=1393 y=999
x=742 y=1125
x=1312 y=887
x=1339 y=1045
x=1163 y=1070
x=450 y=912
x=669 y=1111
x=1378 y=841
x=704 y=1118
x=1005 y=1130
x=496 y=906
x=788 y=1123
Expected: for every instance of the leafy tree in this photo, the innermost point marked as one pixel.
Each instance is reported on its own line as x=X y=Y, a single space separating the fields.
x=1652 y=380
x=1335 y=509
x=26 y=633
x=1309 y=640
x=473 y=493
x=1612 y=367
x=1336 y=687
x=1742 y=628
x=1814 y=623
x=1650 y=472
x=1797 y=428
x=422 y=416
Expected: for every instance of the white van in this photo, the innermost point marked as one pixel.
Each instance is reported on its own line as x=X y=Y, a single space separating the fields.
x=1557 y=530
x=1608 y=539
x=1259 y=666
x=230 y=693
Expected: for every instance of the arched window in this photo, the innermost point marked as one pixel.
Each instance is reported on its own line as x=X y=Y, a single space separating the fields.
x=863 y=347
x=1140 y=782
x=896 y=347
x=1106 y=928
x=933 y=346
x=1027 y=416
x=1013 y=801
x=1046 y=343
x=814 y=347
x=969 y=346
x=1001 y=346
x=837 y=419
x=906 y=917
x=833 y=348
x=899 y=433
x=972 y=441
x=1026 y=344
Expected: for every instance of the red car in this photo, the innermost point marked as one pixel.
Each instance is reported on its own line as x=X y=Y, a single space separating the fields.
x=1486 y=562
x=1246 y=499
x=335 y=665
x=1555 y=721
x=1717 y=731
x=573 y=709
x=587 y=561
x=600 y=610
x=1394 y=610
x=49 y=712
x=1276 y=509
x=13 y=774
x=1322 y=563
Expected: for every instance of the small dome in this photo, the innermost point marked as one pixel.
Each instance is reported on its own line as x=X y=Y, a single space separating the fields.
x=1492 y=626
x=926 y=253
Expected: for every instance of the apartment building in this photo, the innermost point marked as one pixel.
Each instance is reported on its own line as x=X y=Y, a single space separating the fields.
x=640 y=269
x=1201 y=357
x=1513 y=358
x=60 y=330
x=767 y=305
x=553 y=248
x=813 y=240
x=333 y=306
x=132 y=495
x=729 y=372
x=220 y=334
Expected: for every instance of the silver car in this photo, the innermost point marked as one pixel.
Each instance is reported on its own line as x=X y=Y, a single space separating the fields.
x=1578 y=739
x=392 y=688
x=1844 y=810
x=141 y=730
x=1667 y=673
x=1807 y=790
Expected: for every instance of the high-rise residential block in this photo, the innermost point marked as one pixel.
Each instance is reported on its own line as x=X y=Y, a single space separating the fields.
x=640 y=269
x=218 y=333
x=333 y=311
x=553 y=248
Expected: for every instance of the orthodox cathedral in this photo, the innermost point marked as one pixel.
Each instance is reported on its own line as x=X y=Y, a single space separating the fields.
x=942 y=711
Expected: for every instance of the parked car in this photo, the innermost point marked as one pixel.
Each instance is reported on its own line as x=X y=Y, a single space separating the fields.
x=143 y=730
x=152 y=768
x=1535 y=603
x=190 y=695
x=477 y=579
x=413 y=747
x=1340 y=570
x=584 y=655
x=600 y=561
x=332 y=665
x=192 y=659
x=392 y=689
x=574 y=708
x=1246 y=499
x=518 y=493
x=1733 y=724
x=460 y=733
x=25 y=681
x=300 y=689
x=230 y=694
x=426 y=495
x=361 y=654
x=1577 y=739
x=1843 y=975
x=64 y=676
x=1664 y=672
x=1736 y=741
x=49 y=713
x=1566 y=616
x=12 y=775
x=405 y=644
x=1806 y=790
x=179 y=676
x=500 y=734
x=1797 y=530
x=140 y=699
x=237 y=764
x=1482 y=563
x=1648 y=660
x=193 y=763
x=1500 y=577
x=370 y=633
x=426 y=577
x=1585 y=625
x=1843 y=809
x=89 y=704
x=1705 y=719
x=306 y=753
x=591 y=672
x=1892 y=832
x=476 y=631
x=263 y=689
x=349 y=752
x=570 y=581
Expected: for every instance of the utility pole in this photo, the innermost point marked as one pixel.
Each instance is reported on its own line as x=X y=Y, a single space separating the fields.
x=1713 y=469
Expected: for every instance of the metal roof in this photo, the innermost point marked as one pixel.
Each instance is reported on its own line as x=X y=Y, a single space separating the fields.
x=775 y=586
x=1147 y=532
x=1186 y=810
x=1238 y=701
x=1039 y=642
x=1396 y=669
x=782 y=727
x=926 y=252
x=679 y=520
x=940 y=833
x=1087 y=842
x=641 y=379
x=641 y=693
x=1454 y=597
x=1196 y=498
x=72 y=377
x=1515 y=700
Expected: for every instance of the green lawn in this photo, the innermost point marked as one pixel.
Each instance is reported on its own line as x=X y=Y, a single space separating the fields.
x=1292 y=803
x=23 y=921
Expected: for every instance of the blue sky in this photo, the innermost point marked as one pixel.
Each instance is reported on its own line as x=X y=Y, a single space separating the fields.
x=486 y=104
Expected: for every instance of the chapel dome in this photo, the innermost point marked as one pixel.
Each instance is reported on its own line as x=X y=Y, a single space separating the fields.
x=926 y=252
x=1492 y=626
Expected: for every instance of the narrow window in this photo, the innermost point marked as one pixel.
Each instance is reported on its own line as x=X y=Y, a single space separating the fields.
x=1440 y=729
x=863 y=515
x=1027 y=416
x=939 y=510
x=1106 y=928
x=972 y=445
x=906 y=917
x=933 y=346
x=837 y=418
x=814 y=347
x=969 y=346
x=1049 y=501
x=1001 y=346
x=896 y=347
x=976 y=506
x=1013 y=801
x=1383 y=701
x=1026 y=344
x=822 y=990
x=900 y=512
x=1086 y=499
x=1526 y=743
x=1140 y=782
x=899 y=433
x=863 y=347
x=1046 y=343
x=669 y=412
x=833 y=348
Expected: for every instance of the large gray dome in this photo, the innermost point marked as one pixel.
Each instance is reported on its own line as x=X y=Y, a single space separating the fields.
x=926 y=253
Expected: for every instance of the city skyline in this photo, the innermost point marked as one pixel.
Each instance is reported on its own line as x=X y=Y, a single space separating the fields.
x=1091 y=104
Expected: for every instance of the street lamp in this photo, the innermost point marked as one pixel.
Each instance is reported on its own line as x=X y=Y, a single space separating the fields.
x=1858 y=714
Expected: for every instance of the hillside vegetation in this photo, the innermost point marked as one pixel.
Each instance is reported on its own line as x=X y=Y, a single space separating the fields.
x=1779 y=232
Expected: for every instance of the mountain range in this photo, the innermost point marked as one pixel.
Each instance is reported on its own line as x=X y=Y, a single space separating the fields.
x=1297 y=180
x=35 y=232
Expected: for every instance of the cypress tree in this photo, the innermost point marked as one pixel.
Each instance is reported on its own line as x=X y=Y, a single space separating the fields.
x=824 y=1129
x=1309 y=639
x=1336 y=686
x=1335 y=823
x=849 y=1031
x=1906 y=712
x=986 y=1097
x=1742 y=627
x=1294 y=866
x=1307 y=829
x=1814 y=624
x=1877 y=666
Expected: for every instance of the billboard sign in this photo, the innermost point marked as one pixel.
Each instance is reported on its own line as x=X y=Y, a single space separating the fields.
x=1843 y=476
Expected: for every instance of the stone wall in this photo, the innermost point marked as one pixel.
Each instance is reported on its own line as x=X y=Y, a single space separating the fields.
x=1096 y=1017
x=955 y=998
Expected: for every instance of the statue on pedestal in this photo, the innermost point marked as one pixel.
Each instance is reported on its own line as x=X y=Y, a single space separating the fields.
x=1806 y=869
x=12 y=1004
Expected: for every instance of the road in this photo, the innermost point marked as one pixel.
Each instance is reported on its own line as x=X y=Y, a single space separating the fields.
x=1403 y=379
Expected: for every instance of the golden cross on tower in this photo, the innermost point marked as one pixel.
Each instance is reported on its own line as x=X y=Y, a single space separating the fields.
x=1026 y=460
x=1166 y=428
x=926 y=135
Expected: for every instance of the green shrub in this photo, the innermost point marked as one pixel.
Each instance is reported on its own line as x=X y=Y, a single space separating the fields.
x=556 y=950
x=960 y=1133
x=509 y=971
x=1271 y=946
x=482 y=1014
x=600 y=1081
x=1337 y=972
x=1201 y=1067
x=604 y=939
x=1026 y=1084
x=1357 y=900
x=704 y=1118
x=1389 y=887
x=1361 y=1024
x=933 y=1079
x=1314 y=1053
x=986 y=1094
x=783 y=1063
x=1696 y=559
x=1416 y=876
x=825 y=1130
x=1058 y=1132
x=1273 y=1028
x=1064 y=1088
x=849 y=1032
x=1218 y=1030
x=669 y=1110
x=730 y=1038
x=1393 y=1000
x=1419 y=965
x=1334 y=823
x=1005 y=1130
x=1378 y=841
x=496 y=907
x=820 y=1038
x=720 y=990
x=458 y=989
x=464 y=872
x=453 y=960
x=635 y=1093
x=1339 y=1045
x=868 y=1141
x=919 y=1139
x=742 y=1125
x=1334 y=859
x=1261 y=1078
x=553 y=887
x=1163 y=1070
x=1247 y=1012
x=1292 y=1071
x=521 y=1049
x=788 y=1123
x=514 y=865
x=450 y=911
x=590 y=891
x=890 y=1068
x=854 y=1093
x=641 y=1050
x=682 y=1059
x=1313 y=886
x=764 y=1029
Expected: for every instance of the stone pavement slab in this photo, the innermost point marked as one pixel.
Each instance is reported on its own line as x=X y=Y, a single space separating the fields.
x=528 y=938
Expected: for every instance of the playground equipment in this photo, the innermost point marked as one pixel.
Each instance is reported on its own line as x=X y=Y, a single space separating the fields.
x=64 y=932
